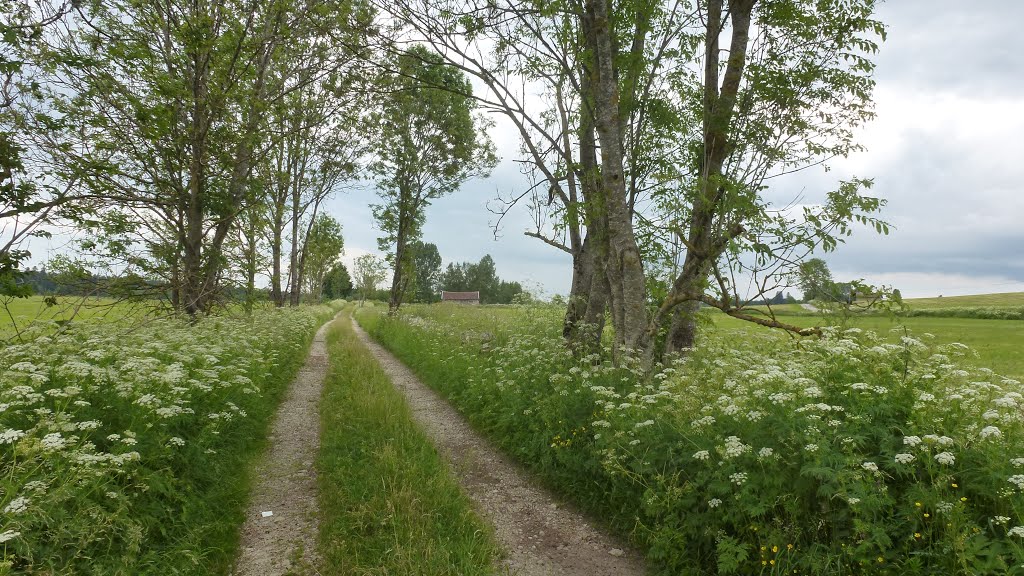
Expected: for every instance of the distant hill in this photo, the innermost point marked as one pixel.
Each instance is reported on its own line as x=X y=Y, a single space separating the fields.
x=1002 y=300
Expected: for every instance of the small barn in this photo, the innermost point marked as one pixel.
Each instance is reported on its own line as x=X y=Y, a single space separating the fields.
x=460 y=297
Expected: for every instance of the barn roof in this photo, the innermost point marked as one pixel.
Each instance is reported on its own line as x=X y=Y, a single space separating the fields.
x=459 y=296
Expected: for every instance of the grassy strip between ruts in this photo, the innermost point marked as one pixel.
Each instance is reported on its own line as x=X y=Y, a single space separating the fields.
x=388 y=503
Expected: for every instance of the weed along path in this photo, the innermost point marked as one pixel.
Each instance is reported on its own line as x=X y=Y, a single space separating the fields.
x=280 y=532
x=539 y=535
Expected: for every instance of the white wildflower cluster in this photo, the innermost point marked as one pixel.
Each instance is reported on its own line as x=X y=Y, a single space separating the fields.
x=71 y=393
x=734 y=447
x=16 y=506
x=794 y=408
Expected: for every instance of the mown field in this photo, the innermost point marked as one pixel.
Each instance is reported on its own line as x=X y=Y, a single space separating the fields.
x=1000 y=299
x=891 y=452
x=994 y=344
x=16 y=314
x=125 y=447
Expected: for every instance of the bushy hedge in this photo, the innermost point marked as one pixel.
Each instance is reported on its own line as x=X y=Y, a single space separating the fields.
x=979 y=312
x=125 y=451
x=852 y=454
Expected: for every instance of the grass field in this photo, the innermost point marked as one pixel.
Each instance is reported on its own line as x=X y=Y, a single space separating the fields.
x=1005 y=299
x=998 y=344
x=18 y=313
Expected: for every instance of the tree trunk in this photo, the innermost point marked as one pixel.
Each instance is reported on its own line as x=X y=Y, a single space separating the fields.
x=622 y=264
x=398 y=282
x=707 y=239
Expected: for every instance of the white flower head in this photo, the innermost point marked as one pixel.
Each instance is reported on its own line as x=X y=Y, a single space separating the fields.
x=945 y=458
x=53 y=441
x=714 y=503
x=8 y=535
x=990 y=432
x=17 y=505
x=869 y=466
x=701 y=455
x=10 y=436
x=904 y=458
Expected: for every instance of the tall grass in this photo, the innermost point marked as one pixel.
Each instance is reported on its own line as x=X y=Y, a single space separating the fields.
x=389 y=504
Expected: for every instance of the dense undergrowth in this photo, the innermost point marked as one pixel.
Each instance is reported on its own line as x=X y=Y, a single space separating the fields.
x=388 y=503
x=854 y=454
x=125 y=451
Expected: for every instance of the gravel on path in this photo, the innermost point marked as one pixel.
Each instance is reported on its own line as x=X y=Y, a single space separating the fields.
x=285 y=541
x=541 y=535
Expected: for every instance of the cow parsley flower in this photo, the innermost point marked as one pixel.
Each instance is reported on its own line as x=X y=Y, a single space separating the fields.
x=990 y=432
x=811 y=448
x=8 y=535
x=701 y=455
x=869 y=466
x=1015 y=531
x=17 y=505
x=945 y=458
x=738 y=478
x=904 y=458
x=10 y=436
x=53 y=441
x=714 y=503
x=734 y=447
x=1017 y=480
x=911 y=441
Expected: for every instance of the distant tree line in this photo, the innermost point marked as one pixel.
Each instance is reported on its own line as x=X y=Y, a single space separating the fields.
x=426 y=278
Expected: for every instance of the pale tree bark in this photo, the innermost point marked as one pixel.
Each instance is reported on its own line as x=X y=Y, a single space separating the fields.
x=622 y=262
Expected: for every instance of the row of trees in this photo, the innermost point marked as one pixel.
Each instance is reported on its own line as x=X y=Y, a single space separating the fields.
x=191 y=145
x=193 y=140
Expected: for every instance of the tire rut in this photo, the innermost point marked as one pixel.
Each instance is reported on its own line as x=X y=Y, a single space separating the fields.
x=286 y=541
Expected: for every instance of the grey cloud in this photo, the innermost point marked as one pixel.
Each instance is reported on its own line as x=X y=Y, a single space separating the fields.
x=968 y=47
